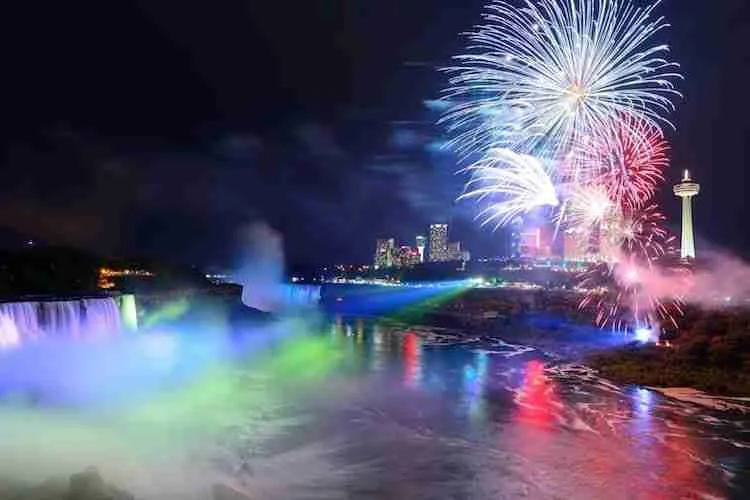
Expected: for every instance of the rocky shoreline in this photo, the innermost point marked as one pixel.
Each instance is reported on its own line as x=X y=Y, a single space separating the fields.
x=89 y=485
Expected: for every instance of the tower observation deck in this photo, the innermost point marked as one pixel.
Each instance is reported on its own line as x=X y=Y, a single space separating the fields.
x=687 y=189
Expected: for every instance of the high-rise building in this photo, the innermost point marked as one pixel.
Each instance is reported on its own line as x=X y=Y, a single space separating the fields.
x=438 y=242
x=421 y=246
x=686 y=190
x=514 y=240
x=575 y=248
x=454 y=251
x=408 y=256
x=384 y=253
x=530 y=243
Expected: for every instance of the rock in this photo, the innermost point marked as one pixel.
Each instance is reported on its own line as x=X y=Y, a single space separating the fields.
x=222 y=492
x=89 y=485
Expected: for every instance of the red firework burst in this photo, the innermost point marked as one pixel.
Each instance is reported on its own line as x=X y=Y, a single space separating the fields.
x=628 y=160
x=643 y=283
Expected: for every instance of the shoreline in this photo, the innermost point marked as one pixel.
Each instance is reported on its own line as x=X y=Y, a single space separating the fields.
x=704 y=399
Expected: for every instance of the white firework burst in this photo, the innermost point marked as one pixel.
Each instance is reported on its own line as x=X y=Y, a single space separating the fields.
x=538 y=77
x=512 y=184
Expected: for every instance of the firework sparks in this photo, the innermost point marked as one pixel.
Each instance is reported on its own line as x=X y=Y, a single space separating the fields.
x=539 y=77
x=588 y=207
x=563 y=101
x=642 y=283
x=514 y=184
x=629 y=160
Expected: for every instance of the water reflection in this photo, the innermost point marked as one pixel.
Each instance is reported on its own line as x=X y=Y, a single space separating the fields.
x=412 y=356
x=536 y=397
x=474 y=379
x=372 y=409
x=567 y=426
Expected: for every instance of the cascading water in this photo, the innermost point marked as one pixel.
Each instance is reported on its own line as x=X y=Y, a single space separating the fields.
x=301 y=295
x=57 y=319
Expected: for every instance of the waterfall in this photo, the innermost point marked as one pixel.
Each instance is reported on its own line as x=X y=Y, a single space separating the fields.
x=301 y=295
x=20 y=321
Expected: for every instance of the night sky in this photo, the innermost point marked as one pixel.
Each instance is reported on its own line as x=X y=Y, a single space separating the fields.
x=157 y=128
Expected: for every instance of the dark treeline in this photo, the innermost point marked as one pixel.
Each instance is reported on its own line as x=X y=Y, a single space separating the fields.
x=60 y=271
x=710 y=351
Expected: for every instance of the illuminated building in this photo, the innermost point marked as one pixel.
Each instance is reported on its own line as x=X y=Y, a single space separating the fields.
x=535 y=244
x=454 y=250
x=438 y=242
x=407 y=257
x=575 y=248
x=384 y=253
x=106 y=276
x=529 y=243
x=686 y=190
x=514 y=244
x=421 y=245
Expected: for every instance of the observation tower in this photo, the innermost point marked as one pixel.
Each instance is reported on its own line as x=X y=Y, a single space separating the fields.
x=686 y=190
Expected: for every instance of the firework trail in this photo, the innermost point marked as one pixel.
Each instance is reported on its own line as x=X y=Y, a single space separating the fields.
x=538 y=78
x=512 y=184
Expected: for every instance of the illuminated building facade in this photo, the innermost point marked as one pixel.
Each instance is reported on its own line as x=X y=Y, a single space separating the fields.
x=514 y=243
x=454 y=250
x=439 y=243
x=407 y=257
x=687 y=189
x=107 y=276
x=384 y=253
x=575 y=248
x=421 y=247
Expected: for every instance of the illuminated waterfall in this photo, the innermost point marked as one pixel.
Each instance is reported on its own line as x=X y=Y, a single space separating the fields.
x=20 y=321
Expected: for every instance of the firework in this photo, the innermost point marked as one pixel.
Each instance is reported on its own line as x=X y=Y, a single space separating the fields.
x=588 y=207
x=629 y=160
x=513 y=184
x=540 y=77
x=636 y=294
x=563 y=102
x=641 y=282
x=641 y=233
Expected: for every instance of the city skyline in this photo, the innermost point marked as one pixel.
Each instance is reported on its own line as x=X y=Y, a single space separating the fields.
x=435 y=248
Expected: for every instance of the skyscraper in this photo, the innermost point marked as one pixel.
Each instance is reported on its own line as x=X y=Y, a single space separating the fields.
x=438 y=242
x=686 y=190
x=408 y=256
x=530 y=243
x=514 y=241
x=384 y=253
x=575 y=247
x=454 y=251
x=421 y=245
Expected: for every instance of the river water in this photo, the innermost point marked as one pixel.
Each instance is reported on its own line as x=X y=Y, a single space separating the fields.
x=346 y=407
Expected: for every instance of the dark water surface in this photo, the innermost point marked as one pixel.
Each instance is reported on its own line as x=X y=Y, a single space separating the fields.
x=355 y=408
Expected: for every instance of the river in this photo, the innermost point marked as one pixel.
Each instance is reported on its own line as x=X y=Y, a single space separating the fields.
x=355 y=408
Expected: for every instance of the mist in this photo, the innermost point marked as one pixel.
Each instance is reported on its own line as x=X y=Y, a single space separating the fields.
x=720 y=280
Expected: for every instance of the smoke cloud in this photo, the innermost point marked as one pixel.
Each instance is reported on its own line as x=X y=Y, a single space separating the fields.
x=720 y=280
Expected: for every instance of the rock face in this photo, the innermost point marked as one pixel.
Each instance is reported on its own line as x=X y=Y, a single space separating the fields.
x=86 y=485
x=222 y=492
x=89 y=485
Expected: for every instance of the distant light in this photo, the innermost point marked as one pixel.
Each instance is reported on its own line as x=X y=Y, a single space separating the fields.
x=643 y=335
x=29 y=243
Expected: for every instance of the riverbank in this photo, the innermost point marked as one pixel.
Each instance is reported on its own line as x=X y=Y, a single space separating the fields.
x=709 y=349
x=677 y=366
